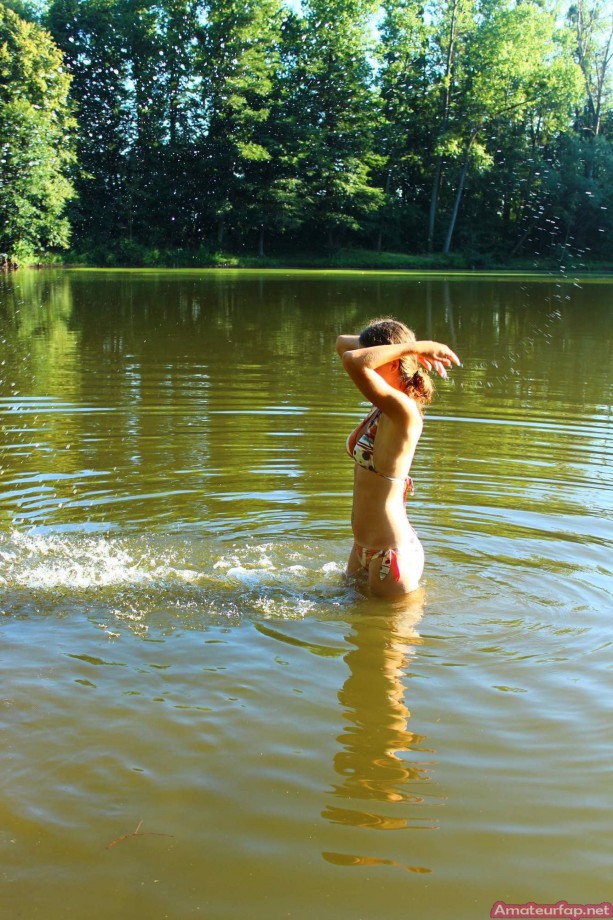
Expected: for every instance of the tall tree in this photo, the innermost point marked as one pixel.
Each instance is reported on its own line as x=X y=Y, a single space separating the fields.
x=277 y=202
x=337 y=109
x=592 y=23
x=404 y=131
x=454 y=23
x=135 y=91
x=518 y=61
x=237 y=57
x=89 y=33
x=36 y=146
x=159 y=41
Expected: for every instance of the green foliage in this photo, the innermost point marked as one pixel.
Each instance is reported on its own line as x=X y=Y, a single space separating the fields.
x=250 y=126
x=336 y=109
x=35 y=143
x=31 y=10
x=237 y=58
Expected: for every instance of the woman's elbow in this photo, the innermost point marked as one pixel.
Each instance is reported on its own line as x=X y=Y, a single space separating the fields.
x=345 y=343
x=351 y=363
x=347 y=359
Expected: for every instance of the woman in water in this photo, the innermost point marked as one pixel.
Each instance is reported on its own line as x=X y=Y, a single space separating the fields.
x=390 y=368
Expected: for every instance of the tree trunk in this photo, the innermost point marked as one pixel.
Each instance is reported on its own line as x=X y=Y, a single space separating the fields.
x=458 y=197
x=261 y=252
x=386 y=191
x=434 y=203
x=522 y=239
x=595 y=72
x=444 y=124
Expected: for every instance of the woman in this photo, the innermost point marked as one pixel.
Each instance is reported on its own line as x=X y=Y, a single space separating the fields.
x=384 y=363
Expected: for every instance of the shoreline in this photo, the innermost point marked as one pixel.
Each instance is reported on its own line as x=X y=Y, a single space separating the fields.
x=345 y=260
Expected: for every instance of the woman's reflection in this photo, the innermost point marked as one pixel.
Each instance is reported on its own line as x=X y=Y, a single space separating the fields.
x=381 y=762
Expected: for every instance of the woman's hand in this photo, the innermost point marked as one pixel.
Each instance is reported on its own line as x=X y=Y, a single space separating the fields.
x=435 y=356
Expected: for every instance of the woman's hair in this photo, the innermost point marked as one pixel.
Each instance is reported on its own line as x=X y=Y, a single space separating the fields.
x=416 y=381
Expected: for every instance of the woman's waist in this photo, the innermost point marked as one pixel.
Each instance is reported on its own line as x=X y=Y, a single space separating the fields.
x=383 y=529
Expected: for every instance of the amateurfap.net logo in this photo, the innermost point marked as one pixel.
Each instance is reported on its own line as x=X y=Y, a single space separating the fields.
x=561 y=910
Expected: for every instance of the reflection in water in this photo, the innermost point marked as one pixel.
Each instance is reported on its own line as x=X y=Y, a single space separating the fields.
x=173 y=505
x=375 y=762
x=163 y=399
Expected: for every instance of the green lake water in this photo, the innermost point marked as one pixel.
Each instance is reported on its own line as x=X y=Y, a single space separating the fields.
x=199 y=717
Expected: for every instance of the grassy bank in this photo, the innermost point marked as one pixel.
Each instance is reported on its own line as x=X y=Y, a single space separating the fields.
x=136 y=256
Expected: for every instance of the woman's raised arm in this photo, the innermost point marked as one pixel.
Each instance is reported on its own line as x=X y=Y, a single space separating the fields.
x=346 y=343
x=430 y=354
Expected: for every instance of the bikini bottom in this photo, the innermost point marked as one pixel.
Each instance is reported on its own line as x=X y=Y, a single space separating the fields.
x=389 y=560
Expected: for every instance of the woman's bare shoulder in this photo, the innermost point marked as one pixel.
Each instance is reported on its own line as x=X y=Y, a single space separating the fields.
x=407 y=417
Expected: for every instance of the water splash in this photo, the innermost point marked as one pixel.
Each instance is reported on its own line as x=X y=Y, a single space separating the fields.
x=52 y=562
x=132 y=579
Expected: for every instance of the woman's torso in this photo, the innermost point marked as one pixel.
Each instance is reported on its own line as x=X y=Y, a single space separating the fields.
x=383 y=452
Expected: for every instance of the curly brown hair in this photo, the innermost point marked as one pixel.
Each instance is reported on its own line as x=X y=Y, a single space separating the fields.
x=416 y=380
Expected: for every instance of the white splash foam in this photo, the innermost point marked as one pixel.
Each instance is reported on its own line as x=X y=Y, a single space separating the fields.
x=48 y=563
x=144 y=573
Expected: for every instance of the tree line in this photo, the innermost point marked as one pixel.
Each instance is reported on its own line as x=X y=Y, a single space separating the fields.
x=133 y=128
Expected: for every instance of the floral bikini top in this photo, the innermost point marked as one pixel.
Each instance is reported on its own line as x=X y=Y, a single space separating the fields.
x=362 y=448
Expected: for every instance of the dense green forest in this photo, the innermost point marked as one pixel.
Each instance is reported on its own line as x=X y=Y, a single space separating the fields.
x=166 y=131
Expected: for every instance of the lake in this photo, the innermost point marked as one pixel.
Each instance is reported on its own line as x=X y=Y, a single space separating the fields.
x=200 y=717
